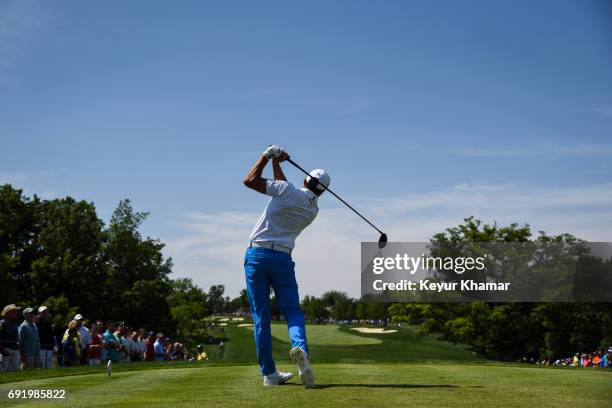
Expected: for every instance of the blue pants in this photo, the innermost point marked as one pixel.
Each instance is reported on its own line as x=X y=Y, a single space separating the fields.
x=264 y=268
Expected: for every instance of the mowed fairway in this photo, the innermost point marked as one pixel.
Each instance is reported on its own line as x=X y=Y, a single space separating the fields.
x=330 y=343
x=460 y=381
x=340 y=385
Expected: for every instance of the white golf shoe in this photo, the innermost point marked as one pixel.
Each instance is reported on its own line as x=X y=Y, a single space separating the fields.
x=298 y=356
x=276 y=378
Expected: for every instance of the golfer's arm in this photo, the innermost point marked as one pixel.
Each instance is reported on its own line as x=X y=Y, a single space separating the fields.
x=253 y=178
x=278 y=171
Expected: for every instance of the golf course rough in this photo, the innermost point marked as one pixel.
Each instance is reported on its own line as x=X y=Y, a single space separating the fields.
x=398 y=370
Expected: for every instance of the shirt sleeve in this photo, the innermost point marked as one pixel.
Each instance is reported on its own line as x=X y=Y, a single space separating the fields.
x=277 y=187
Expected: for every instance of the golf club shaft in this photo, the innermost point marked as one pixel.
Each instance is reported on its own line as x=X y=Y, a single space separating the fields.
x=336 y=195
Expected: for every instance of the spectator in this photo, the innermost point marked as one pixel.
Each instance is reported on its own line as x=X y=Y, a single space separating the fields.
x=158 y=346
x=150 y=349
x=140 y=343
x=69 y=347
x=101 y=330
x=28 y=340
x=9 y=339
x=588 y=360
x=112 y=344
x=135 y=348
x=170 y=351
x=202 y=356
x=596 y=360
x=95 y=347
x=120 y=335
x=179 y=350
x=73 y=325
x=576 y=360
x=48 y=345
x=85 y=337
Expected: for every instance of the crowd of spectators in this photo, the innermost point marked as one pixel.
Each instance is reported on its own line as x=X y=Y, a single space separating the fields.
x=596 y=359
x=34 y=342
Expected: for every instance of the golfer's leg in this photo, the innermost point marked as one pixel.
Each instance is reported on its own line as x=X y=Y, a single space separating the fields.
x=258 y=289
x=288 y=301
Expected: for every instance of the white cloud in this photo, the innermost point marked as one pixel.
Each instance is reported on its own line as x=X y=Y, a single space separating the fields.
x=211 y=245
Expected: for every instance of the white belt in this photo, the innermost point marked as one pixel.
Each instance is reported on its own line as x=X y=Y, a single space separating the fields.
x=274 y=247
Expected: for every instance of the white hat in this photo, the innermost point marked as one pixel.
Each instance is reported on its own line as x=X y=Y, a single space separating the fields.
x=42 y=309
x=320 y=175
x=78 y=317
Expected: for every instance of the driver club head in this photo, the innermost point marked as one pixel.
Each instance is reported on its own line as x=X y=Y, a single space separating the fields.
x=382 y=241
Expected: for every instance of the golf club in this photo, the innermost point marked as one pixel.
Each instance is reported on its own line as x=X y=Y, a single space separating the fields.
x=382 y=241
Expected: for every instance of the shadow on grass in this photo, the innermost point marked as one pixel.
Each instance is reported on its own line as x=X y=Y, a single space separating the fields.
x=323 y=386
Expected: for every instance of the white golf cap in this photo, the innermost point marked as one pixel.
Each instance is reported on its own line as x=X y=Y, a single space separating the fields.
x=42 y=309
x=320 y=175
x=78 y=317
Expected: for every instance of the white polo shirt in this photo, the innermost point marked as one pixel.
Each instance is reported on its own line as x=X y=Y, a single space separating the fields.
x=289 y=211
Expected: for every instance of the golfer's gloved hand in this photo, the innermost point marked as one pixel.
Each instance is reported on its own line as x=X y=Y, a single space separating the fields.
x=273 y=152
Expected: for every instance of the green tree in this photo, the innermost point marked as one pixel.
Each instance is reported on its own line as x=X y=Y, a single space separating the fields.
x=314 y=308
x=137 y=271
x=238 y=304
x=216 y=300
x=189 y=308
x=512 y=330
x=68 y=261
x=60 y=311
x=19 y=229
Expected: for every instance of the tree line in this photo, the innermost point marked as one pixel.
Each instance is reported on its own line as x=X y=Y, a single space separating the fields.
x=509 y=331
x=60 y=253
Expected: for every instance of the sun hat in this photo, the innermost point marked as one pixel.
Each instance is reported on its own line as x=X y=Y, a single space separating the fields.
x=9 y=308
x=42 y=309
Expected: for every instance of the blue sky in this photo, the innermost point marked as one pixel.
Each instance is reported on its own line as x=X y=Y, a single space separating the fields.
x=423 y=113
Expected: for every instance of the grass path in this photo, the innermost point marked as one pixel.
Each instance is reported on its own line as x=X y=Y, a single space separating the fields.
x=340 y=385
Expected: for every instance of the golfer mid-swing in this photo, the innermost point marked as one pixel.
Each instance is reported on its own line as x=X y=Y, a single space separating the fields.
x=268 y=263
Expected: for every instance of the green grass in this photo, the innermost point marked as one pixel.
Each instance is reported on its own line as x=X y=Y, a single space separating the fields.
x=333 y=344
x=327 y=335
x=352 y=369
x=340 y=385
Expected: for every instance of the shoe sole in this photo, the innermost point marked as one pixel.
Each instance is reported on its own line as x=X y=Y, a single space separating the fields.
x=298 y=358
